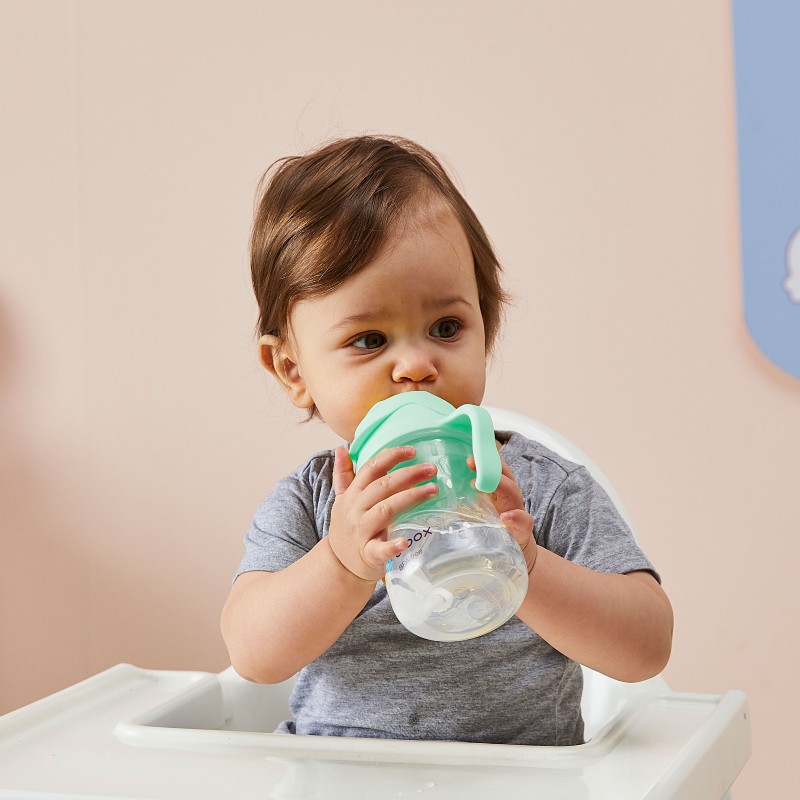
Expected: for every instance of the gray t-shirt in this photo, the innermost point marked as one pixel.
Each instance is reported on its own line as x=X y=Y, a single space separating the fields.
x=381 y=681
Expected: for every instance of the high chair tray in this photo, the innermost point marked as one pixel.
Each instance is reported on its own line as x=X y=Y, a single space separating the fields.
x=135 y=733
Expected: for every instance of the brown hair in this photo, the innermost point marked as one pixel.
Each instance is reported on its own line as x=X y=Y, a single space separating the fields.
x=323 y=216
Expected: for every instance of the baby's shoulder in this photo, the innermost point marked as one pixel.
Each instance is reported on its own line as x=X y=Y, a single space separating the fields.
x=532 y=455
x=313 y=477
x=317 y=467
x=539 y=470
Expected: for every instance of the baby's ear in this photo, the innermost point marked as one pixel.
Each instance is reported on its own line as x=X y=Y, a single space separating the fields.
x=278 y=357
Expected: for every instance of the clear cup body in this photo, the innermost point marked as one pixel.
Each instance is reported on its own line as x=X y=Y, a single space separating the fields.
x=463 y=575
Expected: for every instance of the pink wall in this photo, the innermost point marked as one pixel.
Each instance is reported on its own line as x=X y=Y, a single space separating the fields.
x=595 y=139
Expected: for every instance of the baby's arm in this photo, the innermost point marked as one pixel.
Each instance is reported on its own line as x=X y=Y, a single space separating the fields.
x=274 y=623
x=620 y=625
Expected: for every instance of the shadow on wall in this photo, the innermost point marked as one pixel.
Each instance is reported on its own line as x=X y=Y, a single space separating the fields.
x=35 y=549
x=74 y=598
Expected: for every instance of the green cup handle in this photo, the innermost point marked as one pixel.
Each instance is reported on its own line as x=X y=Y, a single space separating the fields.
x=488 y=466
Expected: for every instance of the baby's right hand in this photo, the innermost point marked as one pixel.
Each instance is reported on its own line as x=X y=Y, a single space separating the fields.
x=367 y=503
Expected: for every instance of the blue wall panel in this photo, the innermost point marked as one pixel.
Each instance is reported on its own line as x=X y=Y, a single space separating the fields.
x=767 y=48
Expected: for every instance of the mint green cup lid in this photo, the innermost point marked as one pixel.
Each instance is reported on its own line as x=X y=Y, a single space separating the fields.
x=399 y=418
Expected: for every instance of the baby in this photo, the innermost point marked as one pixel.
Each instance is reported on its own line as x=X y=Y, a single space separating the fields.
x=373 y=277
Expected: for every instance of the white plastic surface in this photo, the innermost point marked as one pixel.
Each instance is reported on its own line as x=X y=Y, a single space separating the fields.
x=134 y=733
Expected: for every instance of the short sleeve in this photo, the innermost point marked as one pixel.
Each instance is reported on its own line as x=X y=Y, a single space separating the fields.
x=292 y=519
x=573 y=515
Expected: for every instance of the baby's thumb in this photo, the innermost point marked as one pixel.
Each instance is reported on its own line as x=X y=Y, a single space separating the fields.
x=519 y=524
x=343 y=473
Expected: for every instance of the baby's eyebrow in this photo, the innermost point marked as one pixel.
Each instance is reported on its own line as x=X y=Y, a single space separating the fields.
x=381 y=313
x=440 y=302
x=354 y=319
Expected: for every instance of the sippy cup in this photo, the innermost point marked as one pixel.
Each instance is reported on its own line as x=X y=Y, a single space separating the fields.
x=463 y=574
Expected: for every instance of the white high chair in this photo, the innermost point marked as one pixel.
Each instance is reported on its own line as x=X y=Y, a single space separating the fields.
x=136 y=733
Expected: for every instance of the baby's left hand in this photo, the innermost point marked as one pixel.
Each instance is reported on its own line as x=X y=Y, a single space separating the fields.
x=507 y=500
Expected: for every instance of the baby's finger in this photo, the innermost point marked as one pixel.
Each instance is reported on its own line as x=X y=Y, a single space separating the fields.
x=398 y=480
x=342 y=470
x=508 y=495
x=377 y=552
x=380 y=465
x=519 y=524
x=380 y=515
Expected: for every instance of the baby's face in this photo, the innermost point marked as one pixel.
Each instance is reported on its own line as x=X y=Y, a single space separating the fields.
x=410 y=320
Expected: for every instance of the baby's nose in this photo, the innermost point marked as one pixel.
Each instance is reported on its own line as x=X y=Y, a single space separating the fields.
x=414 y=366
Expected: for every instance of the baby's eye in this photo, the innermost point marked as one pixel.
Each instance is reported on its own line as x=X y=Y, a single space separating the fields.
x=369 y=341
x=446 y=328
